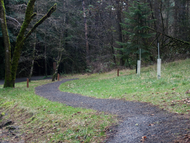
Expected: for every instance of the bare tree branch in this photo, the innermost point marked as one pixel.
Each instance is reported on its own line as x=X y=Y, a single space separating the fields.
x=52 y=9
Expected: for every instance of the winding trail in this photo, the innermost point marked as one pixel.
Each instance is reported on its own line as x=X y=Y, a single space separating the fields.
x=138 y=119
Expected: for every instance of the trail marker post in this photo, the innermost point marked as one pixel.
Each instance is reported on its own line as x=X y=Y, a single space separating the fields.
x=54 y=66
x=58 y=77
x=138 y=67
x=27 y=83
x=158 y=64
x=139 y=63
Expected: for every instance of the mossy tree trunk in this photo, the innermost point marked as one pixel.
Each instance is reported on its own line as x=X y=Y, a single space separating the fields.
x=7 y=45
x=11 y=65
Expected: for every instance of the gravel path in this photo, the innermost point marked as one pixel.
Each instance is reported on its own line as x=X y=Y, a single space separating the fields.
x=138 y=119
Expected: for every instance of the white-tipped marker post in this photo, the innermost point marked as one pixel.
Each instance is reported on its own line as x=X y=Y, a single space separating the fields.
x=139 y=63
x=158 y=64
x=138 y=67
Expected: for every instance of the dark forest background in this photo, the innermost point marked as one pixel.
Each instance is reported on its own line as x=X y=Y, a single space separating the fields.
x=98 y=36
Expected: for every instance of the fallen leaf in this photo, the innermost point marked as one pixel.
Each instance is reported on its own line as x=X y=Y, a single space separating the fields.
x=143 y=138
x=173 y=88
x=77 y=130
x=166 y=93
x=151 y=125
x=187 y=92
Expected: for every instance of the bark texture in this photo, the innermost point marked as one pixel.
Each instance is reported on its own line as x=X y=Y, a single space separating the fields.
x=7 y=45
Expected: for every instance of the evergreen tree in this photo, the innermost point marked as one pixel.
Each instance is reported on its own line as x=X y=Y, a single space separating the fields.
x=135 y=28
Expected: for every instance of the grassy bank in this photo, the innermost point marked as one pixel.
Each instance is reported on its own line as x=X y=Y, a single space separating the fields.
x=43 y=121
x=167 y=92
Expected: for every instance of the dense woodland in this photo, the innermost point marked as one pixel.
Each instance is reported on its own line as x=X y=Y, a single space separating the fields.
x=97 y=36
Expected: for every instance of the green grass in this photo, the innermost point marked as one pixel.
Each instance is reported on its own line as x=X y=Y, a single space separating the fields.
x=43 y=120
x=167 y=92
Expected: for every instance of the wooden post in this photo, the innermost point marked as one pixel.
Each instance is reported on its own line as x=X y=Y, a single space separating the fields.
x=54 y=66
x=57 y=77
x=27 y=82
x=117 y=72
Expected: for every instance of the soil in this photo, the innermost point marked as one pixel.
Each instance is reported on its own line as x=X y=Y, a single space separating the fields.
x=141 y=122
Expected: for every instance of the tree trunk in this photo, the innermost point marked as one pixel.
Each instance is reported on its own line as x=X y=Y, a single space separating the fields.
x=20 y=38
x=33 y=53
x=153 y=17
x=11 y=67
x=86 y=35
x=57 y=66
x=59 y=58
x=167 y=18
x=119 y=11
x=33 y=58
x=56 y=71
x=176 y=19
x=7 y=45
x=45 y=56
x=163 y=26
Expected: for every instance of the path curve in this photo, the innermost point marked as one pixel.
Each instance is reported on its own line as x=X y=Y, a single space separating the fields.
x=139 y=119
